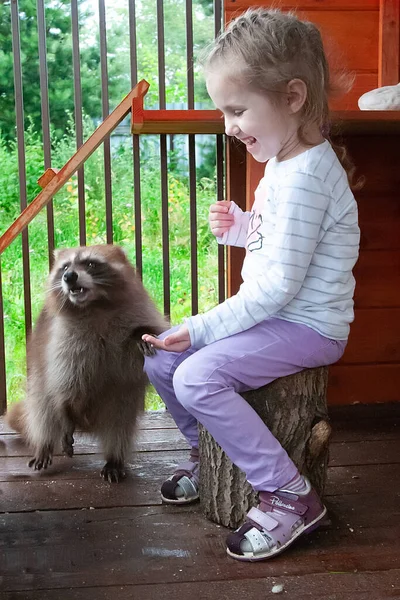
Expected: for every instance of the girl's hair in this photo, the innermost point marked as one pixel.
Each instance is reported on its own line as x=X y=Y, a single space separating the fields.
x=269 y=48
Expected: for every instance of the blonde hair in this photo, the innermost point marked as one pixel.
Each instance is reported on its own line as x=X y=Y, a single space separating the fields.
x=267 y=48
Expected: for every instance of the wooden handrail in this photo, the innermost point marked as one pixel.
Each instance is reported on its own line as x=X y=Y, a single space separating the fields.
x=174 y=121
x=53 y=180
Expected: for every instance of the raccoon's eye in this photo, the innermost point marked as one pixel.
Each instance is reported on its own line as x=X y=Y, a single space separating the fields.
x=65 y=268
x=91 y=265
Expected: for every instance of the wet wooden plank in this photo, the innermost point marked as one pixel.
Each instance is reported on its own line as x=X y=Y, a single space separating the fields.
x=76 y=483
x=163 y=545
x=325 y=586
x=156 y=440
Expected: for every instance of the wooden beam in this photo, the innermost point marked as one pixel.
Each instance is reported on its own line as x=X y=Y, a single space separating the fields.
x=389 y=43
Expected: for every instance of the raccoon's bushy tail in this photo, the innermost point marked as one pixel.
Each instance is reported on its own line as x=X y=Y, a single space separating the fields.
x=16 y=417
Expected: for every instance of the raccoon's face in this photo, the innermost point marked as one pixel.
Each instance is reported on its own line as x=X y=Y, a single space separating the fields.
x=83 y=275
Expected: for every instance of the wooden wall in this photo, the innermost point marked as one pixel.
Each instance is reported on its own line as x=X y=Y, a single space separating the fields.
x=367 y=33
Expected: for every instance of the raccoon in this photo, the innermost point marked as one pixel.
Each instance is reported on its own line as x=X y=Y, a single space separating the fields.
x=85 y=357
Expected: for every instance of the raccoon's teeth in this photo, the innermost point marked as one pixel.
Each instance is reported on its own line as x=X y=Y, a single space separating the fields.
x=74 y=292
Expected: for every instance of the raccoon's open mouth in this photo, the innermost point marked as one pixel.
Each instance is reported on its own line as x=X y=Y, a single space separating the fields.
x=78 y=294
x=77 y=291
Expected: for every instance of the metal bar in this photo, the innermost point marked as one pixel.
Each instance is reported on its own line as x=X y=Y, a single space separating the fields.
x=44 y=100
x=105 y=112
x=3 y=381
x=78 y=118
x=161 y=53
x=193 y=225
x=220 y=196
x=19 y=110
x=165 y=225
x=163 y=161
x=192 y=162
x=136 y=145
x=189 y=53
x=220 y=168
x=217 y=17
x=60 y=178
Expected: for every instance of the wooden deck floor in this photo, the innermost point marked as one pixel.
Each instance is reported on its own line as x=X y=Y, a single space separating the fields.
x=67 y=535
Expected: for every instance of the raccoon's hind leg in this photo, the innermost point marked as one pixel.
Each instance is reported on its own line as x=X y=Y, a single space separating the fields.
x=43 y=428
x=116 y=436
x=67 y=439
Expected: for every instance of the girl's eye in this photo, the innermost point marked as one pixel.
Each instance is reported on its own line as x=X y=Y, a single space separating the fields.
x=238 y=113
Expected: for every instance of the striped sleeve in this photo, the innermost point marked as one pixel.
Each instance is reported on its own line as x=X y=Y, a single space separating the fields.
x=276 y=271
x=237 y=233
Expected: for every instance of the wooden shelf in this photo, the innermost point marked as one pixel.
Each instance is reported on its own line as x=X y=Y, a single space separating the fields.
x=143 y=121
x=366 y=122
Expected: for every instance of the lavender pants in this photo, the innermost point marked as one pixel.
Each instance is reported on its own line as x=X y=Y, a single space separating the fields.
x=205 y=385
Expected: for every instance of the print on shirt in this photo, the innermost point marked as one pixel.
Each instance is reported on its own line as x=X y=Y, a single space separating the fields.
x=255 y=237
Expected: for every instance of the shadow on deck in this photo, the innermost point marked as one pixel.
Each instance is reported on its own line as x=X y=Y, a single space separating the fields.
x=67 y=535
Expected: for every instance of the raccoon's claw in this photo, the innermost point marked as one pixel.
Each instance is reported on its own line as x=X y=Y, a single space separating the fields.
x=113 y=472
x=68 y=445
x=43 y=460
x=146 y=349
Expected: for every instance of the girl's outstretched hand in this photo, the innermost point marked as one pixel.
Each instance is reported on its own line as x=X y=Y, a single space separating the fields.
x=179 y=341
x=219 y=217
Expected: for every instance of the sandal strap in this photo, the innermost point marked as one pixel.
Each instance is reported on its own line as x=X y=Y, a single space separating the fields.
x=284 y=501
x=262 y=519
x=188 y=486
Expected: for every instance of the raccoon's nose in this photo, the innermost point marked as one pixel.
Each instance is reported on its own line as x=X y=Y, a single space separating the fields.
x=70 y=277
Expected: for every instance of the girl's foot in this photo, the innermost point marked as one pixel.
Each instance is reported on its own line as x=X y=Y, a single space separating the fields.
x=280 y=518
x=183 y=486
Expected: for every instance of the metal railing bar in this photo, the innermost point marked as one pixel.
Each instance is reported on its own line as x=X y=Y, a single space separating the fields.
x=44 y=102
x=78 y=118
x=105 y=112
x=192 y=162
x=19 y=110
x=163 y=160
x=220 y=196
x=136 y=144
x=3 y=382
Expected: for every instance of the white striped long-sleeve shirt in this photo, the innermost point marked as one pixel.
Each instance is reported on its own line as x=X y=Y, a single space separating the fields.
x=302 y=241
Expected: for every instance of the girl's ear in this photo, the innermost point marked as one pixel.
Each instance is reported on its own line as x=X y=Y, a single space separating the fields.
x=296 y=95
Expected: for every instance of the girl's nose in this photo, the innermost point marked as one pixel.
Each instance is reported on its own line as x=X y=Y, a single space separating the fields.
x=231 y=128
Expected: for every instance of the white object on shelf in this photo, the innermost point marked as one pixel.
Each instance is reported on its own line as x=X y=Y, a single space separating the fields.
x=384 y=98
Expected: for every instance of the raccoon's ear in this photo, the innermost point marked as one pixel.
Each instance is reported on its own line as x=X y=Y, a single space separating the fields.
x=57 y=253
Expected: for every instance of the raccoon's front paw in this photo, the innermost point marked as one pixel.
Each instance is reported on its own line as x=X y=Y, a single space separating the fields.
x=113 y=471
x=68 y=444
x=146 y=349
x=43 y=458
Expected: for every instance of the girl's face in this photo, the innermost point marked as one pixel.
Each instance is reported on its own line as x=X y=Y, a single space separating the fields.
x=265 y=128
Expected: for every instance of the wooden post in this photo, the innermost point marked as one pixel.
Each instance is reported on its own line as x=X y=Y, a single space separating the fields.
x=294 y=408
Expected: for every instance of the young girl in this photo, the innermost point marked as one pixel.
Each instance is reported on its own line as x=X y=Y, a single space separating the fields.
x=269 y=76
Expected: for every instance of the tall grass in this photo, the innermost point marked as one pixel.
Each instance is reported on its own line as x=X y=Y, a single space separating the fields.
x=67 y=233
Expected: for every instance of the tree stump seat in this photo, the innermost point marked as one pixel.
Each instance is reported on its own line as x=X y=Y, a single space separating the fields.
x=294 y=409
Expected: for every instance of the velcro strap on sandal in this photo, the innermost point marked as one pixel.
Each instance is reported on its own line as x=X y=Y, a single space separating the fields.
x=263 y=519
x=188 y=487
x=284 y=503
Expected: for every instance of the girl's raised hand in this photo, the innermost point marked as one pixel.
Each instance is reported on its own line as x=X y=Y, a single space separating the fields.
x=219 y=217
x=178 y=341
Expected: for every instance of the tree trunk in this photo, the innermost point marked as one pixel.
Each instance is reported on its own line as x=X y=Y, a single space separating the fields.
x=294 y=409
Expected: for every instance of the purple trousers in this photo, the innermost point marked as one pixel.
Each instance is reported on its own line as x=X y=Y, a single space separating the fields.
x=205 y=385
